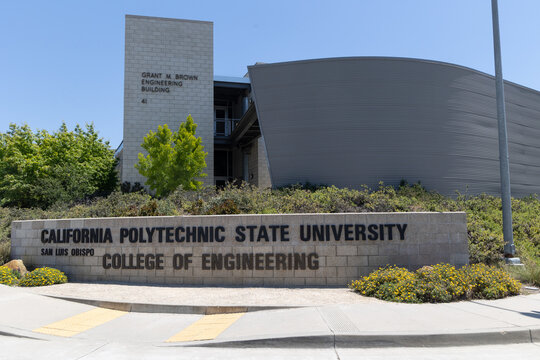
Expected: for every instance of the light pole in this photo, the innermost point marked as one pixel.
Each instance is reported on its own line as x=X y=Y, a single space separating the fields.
x=509 y=249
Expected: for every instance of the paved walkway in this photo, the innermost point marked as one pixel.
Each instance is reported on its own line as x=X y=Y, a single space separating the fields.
x=324 y=320
x=204 y=296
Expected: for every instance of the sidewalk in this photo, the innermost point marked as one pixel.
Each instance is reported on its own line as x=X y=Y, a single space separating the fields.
x=205 y=296
x=276 y=317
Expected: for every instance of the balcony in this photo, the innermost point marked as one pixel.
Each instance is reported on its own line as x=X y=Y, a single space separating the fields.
x=224 y=127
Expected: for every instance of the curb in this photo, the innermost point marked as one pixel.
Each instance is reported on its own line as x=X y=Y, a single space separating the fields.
x=16 y=335
x=170 y=309
x=351 y=341
x=328 y=338
x=501 y=337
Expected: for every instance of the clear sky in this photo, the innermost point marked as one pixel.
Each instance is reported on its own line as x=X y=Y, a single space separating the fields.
x=64 y=60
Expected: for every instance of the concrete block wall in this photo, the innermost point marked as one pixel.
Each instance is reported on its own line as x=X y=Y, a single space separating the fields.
x=263 y=173
x=259 y=173
x=429 y=238
x=167 y=46
x=253 y=162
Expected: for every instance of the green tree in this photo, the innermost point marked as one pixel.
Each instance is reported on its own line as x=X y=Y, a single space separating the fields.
x=174 y=159
x=39 y=169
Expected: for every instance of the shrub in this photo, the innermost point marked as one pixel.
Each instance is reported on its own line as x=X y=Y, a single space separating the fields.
x=40 y=169
x=438 y=283
x=390 y=283
x=488 y=282
x=528 y=273
x=240 y=199
x=225 y=207
x=484 y=229
x=43 y=276
x=127 y=187
x=173 y=158
x=8 y=276
x=118 y=204
x=484 y=216
x=5 y=252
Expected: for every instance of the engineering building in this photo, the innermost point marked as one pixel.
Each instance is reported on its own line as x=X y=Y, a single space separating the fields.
x=342 y=121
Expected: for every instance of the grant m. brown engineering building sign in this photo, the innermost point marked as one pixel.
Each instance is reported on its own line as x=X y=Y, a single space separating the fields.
x=274 y=250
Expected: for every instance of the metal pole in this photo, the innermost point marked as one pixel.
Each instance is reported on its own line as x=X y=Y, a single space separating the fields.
x=509 y=249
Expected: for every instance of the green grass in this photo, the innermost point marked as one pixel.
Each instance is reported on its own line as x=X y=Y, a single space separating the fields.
x=528 y=274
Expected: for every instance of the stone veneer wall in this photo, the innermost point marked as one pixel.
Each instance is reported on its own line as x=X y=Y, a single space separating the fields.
x=428 y=238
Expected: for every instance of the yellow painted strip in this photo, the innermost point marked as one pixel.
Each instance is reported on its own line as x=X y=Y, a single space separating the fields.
x=81 y=322
x=206 y=328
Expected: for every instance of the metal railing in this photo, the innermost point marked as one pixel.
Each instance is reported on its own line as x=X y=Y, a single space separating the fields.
x=224 y=127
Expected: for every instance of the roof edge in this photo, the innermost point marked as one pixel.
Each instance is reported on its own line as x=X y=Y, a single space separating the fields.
x=167 y=19
x=390 y=58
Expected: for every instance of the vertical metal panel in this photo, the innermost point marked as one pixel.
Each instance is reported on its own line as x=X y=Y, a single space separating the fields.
x=355 y=121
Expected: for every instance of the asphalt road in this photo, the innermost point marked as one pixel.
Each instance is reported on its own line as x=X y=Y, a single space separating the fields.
x=20 y=349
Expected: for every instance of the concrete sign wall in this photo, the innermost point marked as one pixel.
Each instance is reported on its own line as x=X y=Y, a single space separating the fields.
x=275 y=250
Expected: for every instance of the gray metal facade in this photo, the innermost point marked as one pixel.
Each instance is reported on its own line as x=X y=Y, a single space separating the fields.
x=355 y=121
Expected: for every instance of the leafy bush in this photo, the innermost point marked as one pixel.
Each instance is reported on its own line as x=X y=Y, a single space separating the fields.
x=529 y=273
x=5 y=252
x=488 y=282
x=390 y=283
x=39 y=169
x=8 y=276
x=127 y=187
x=225 y=207
x=484 y=217
x=438 y=283
x=174 y=158
x=118 y=204
x=43 y=276
x=7 y=215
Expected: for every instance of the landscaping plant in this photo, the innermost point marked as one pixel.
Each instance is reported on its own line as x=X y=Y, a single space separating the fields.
x=8 y=276
x=484 y=218
x=437 y=283
x=43 y=276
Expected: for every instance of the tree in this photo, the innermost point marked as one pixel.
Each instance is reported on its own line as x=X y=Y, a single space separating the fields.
x=39 y=169
x=174 y=159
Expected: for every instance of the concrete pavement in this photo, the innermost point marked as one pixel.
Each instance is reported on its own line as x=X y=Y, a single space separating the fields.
x=203 y=295
x=25 y=349
x=365 y=324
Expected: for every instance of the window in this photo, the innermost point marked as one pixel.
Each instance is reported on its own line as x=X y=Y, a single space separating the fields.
x=222 y=166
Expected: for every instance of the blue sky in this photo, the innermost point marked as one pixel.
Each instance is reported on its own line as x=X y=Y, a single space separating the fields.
x=64 y=60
